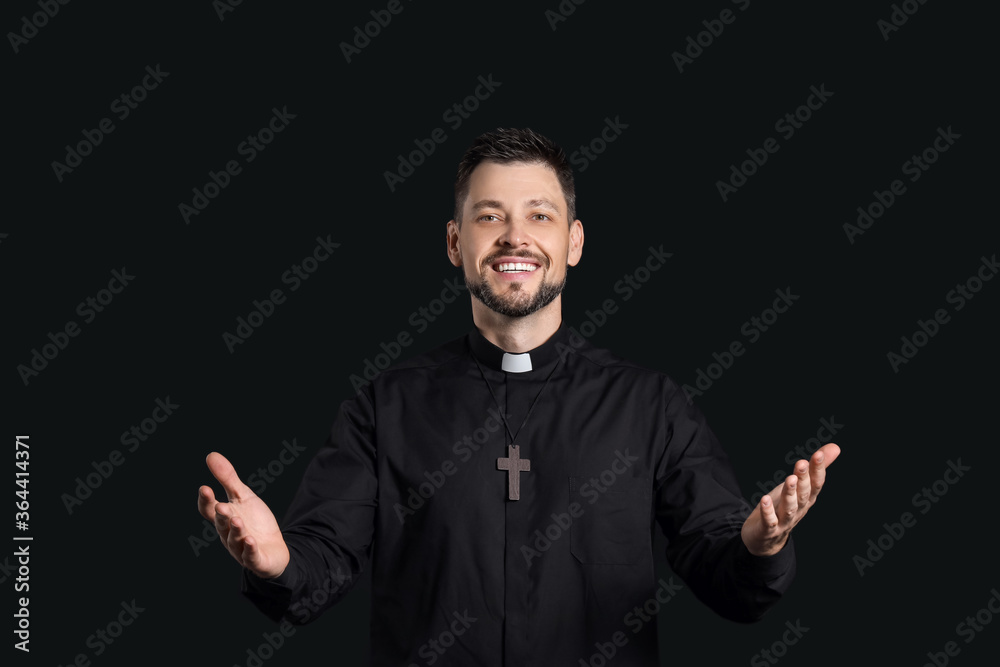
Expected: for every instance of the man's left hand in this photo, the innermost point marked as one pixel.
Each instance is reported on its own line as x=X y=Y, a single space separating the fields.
x=767 y=528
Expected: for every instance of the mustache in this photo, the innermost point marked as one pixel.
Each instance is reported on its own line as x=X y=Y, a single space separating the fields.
x=491 y=259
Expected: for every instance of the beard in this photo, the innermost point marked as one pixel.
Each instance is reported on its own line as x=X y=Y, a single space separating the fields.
x=517 y=302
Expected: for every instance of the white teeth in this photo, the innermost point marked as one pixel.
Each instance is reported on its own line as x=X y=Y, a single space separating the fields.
x=516 y=267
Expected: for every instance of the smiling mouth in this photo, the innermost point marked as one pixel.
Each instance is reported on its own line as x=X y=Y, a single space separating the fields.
x=514 y=267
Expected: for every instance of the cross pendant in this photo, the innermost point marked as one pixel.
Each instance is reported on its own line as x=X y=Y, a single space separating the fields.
x=514 y=465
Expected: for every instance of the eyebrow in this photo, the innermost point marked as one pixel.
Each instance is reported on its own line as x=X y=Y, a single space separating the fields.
x=542 y=203
x=531 y=203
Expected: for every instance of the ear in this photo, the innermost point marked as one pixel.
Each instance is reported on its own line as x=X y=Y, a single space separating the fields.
x=452 y=239
x=575 y=243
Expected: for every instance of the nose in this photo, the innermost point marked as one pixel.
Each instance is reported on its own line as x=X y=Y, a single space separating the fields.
x=515 y=233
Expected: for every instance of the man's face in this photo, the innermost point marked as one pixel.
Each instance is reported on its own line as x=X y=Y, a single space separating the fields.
x=515 y=241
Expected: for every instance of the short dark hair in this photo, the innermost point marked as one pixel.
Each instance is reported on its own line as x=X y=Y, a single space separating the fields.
x=505 y=146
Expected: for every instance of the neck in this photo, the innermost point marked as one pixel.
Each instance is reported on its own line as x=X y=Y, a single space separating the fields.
x=517 y=334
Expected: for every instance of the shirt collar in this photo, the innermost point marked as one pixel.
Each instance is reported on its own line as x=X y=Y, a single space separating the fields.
x=532 y=360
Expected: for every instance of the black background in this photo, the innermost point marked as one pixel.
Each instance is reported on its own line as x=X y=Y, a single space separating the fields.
x=136 y=536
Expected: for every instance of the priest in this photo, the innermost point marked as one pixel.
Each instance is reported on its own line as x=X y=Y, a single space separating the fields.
x=504 y=487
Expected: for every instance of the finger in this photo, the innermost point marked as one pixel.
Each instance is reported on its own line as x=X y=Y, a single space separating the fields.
x=804 y=482
x=818 y=464
x=206 y=502
x=767 y=513
x=222 y=512
x=237 y=530
x=223 y=471
x=789 y=504
x=251 y=555
x=234 y=541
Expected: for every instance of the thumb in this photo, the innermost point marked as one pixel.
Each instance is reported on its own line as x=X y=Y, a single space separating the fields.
x=223 y=471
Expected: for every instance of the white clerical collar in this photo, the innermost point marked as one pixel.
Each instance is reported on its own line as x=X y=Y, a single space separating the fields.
x=516 y=363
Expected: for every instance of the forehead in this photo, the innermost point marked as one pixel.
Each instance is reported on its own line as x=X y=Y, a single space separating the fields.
x=514 y=183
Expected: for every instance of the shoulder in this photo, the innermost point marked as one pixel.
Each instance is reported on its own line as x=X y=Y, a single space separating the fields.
x=587 y=358
x=442 y=358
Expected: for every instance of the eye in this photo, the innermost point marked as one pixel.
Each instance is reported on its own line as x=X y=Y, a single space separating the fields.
x=488 y=215
x=541 y=215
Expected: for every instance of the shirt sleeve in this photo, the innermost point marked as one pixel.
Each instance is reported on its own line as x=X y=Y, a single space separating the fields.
x=330 y=524
x=699 y=507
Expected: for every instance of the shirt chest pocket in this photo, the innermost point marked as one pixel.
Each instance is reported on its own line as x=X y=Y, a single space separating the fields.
x=614 y=525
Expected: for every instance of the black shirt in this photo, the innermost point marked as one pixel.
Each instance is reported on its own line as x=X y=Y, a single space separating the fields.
x=408 y=481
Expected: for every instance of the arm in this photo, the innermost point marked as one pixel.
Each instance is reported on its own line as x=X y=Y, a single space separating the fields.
x=325 y=544
x=330 y=524
x=699 y=507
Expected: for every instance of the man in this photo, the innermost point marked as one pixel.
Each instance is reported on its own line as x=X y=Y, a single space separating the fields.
x=504 y=486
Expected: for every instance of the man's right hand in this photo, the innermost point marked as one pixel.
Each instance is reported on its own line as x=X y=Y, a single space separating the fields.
x=245 y=524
